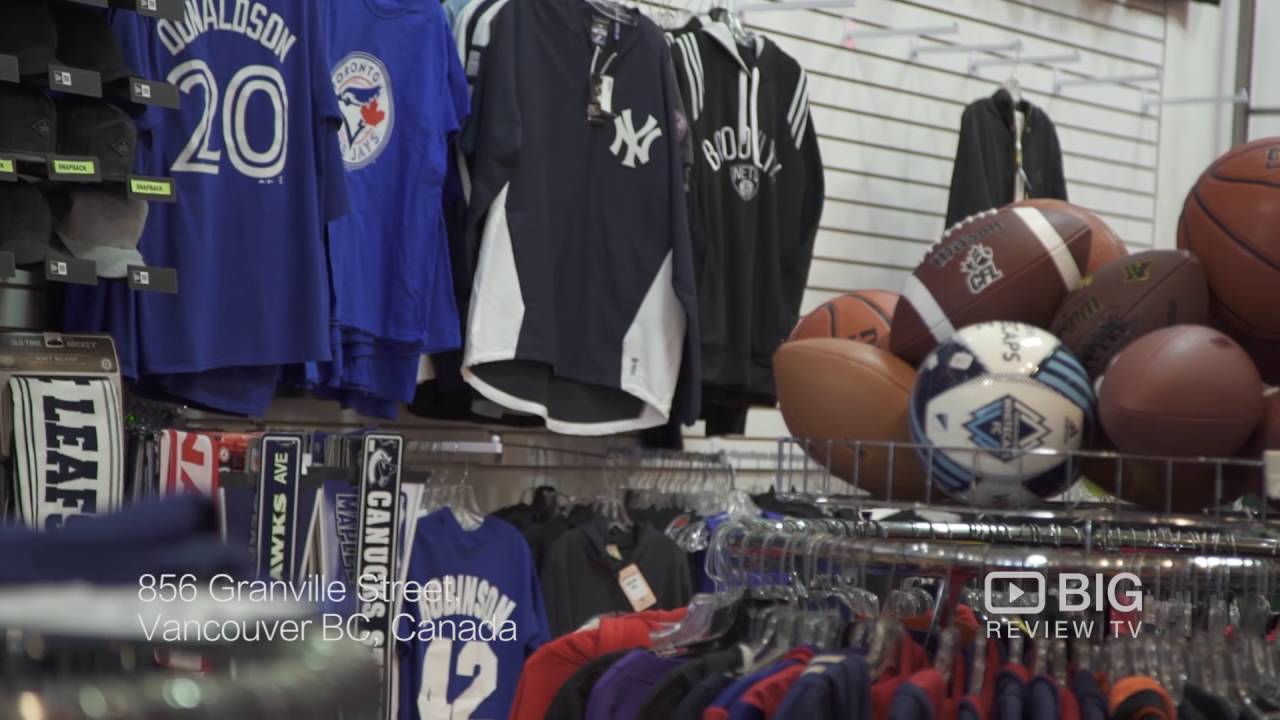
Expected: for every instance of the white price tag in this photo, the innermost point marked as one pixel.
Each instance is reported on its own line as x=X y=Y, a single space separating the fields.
x=636 y=588
x=606 y=94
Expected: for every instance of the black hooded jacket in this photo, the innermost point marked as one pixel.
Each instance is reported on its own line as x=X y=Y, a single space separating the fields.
x=984 y=171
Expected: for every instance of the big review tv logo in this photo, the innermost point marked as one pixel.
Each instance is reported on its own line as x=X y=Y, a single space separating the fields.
x=1027 y=593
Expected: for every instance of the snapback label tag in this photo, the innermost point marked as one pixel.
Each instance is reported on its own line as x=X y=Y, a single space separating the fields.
x=9 y=69
x=153 y=279
x=165 y=9
x=150 y=92
x=151 y=188
x=75 y=81
x=77 y=169
x=66 y=269
x=8 y=169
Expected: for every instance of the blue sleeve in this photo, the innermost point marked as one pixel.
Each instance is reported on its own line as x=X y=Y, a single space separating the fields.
x=328 y=119
x=410 y=671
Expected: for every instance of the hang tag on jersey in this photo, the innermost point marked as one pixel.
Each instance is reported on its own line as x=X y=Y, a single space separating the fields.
x=600 y=106
x=599 y=31
x=605 y=94
x=636 y=588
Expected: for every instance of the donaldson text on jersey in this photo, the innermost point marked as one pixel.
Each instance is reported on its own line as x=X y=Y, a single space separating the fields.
x=252 y=19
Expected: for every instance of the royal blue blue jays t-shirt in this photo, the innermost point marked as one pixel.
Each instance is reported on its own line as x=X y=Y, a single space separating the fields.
x=452 y=667
x=253 y=154
x=401 y=92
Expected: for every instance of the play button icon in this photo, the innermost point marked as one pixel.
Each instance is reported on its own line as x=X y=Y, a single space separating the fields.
x=1014 y=592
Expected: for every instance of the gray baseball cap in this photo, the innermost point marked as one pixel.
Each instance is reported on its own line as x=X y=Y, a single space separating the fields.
x=104 y=226
x=26 y=223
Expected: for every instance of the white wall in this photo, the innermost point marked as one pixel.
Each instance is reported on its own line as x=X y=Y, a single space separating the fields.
x=1266 y=58
x=1200 y=60
x=888 y=132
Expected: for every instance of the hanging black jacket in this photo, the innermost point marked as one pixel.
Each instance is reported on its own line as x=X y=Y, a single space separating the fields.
x=984 y=171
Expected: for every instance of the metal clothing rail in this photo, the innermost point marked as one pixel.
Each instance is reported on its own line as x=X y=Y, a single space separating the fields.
x=891 y=466
x=1087 y=535
x=783 y=549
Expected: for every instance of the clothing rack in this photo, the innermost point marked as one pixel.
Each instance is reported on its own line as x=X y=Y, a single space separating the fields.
x=1089 y=535
x=492 y=447
x=853 y=33
x=976 y=63
x=750 y=544
x=917 y=50
x=1240 y=97
x=1059 y=82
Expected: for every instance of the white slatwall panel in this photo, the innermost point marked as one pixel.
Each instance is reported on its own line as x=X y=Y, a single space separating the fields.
x=888 y=127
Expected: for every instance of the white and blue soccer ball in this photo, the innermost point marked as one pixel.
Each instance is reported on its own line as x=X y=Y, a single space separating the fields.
x=994 y=402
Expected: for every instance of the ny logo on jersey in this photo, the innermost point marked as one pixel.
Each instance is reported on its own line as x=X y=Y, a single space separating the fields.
x=634 y=142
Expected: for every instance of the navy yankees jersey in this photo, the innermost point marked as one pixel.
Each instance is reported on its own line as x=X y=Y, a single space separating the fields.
x=755 y=199
x=582 y=309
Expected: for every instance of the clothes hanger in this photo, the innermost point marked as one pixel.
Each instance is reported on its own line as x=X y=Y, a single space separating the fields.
x=731 y=21
x=613 y=10
x=710 y=615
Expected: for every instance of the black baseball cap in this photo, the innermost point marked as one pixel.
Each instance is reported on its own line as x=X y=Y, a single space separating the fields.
x=98 y=129
x=26 y=223
x=85 y=41
x=28 y=123
x=27 y=31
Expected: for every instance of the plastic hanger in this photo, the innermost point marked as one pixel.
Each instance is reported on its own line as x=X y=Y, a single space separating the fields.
x=730 y=20
x=612 y=10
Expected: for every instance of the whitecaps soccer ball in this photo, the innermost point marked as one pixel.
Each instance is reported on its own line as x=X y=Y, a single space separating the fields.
x=994 y=400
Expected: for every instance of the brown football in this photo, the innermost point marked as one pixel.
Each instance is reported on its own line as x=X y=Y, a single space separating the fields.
x=1105 y=245
x=1181 y=391
x=839 y=389
x=1016 y=264
x=1128 y=298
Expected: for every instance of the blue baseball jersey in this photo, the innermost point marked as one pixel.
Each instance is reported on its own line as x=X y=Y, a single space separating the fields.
x=468 y=640
x=253 y=152
x=401 y=93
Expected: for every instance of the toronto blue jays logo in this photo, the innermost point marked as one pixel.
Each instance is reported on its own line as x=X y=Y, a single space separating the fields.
x=363 y=87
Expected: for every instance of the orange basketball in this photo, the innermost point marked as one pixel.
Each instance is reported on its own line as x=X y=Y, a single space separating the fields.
x=1105 y=245
x=1230 y=222
x=864 y=316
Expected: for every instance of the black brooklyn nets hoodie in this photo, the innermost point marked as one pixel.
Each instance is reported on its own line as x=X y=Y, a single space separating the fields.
x=755 y=199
